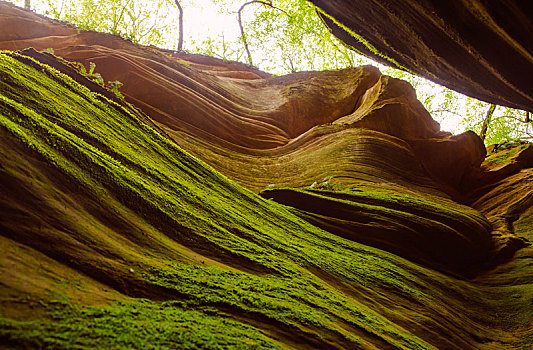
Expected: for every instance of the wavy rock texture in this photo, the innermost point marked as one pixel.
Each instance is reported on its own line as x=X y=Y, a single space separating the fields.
x=116 y=233
x=479 y=48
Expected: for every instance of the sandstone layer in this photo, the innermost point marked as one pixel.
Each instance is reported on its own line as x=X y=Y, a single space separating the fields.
x=142 y=218
x=480 y=48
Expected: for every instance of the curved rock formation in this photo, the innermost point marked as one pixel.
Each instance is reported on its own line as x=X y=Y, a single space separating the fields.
x=429 y=230
x=250 y=116
x=479 y=48
x=351 y=126
x=114 y=232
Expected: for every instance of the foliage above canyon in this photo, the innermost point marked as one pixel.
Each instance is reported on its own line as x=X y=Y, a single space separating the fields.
x=133 y=220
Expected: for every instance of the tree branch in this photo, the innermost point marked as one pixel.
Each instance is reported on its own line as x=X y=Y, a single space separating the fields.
x=445 y=110
x=180 y=40
x=486 y=122
x=243 y=35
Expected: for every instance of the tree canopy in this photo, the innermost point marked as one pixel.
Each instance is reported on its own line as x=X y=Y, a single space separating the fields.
x=278 y=36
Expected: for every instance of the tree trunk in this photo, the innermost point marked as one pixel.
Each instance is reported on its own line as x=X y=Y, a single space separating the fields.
x=180 y=40
x=243 y=35
x=486 y=122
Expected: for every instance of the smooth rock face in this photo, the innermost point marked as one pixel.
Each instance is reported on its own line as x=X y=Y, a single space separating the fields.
x=374 y=247
x=351 y=127
x=429 y=230
x=480 y=48
x=260 y=119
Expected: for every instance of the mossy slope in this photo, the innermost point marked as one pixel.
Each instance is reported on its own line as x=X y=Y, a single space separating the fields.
x=185 y=258
x=427 y=229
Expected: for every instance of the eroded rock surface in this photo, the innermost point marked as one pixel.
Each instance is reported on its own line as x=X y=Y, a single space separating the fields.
x=480 y=48
x=381 y=252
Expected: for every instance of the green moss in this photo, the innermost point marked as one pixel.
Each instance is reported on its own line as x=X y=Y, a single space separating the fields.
x=403 y=206
x=135 y=324
x=236 y=268
x=363 y=41
x=505 y=155
x=107 y=150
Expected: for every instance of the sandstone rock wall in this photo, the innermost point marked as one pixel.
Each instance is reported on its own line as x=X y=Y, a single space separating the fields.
x=480 y=48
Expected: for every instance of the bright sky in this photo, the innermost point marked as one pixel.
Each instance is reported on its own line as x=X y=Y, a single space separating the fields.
x=203 y=20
